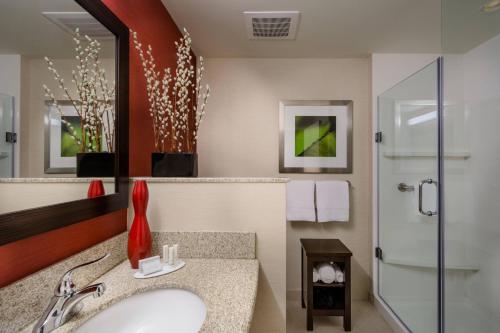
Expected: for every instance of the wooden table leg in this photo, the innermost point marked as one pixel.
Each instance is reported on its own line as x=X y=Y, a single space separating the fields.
x=309 y=282
x=302 y=277
x=347 y=304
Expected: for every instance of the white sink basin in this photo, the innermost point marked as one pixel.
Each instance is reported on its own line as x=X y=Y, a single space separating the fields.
x=157 y=311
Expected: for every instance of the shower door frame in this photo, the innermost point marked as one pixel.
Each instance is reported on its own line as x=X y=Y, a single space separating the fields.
x=440 y=196
x=394 y=320
x=14 y=125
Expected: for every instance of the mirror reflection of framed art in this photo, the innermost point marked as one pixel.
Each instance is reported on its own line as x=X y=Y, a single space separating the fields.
x=315 y=136
x=61 y=142
x=60 y=149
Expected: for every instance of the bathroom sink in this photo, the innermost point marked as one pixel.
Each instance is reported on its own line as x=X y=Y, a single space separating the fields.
x=162 y=310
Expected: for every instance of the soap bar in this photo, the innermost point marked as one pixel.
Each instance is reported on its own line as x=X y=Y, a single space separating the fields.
x=150 y=265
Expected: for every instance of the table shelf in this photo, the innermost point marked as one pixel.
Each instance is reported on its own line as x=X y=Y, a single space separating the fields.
x=328 y=285
x=325 y=299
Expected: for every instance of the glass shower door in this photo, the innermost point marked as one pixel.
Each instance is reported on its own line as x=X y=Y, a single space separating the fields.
x=408 y=192
x=471 y=47
x=6 y=126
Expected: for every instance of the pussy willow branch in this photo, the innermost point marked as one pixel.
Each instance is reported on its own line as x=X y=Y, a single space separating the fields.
x=94 y=96
x=170 y=97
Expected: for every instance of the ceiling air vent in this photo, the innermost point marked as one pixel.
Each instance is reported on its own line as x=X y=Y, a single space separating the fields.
x=88 y=25
x=272 y=25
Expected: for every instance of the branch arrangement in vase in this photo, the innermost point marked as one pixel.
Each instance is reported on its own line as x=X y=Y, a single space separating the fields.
x=171 y=97
x=94 y=100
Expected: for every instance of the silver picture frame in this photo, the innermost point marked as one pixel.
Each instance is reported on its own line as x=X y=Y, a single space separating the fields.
x=48 y=165
x=349 y=128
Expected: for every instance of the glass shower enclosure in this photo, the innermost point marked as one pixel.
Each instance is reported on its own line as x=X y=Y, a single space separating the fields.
x=438 y=159
x=408 y=176
x=6 y=127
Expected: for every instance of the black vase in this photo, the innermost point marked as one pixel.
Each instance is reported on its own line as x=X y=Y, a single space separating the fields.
x=95 y=165
x=174 y=164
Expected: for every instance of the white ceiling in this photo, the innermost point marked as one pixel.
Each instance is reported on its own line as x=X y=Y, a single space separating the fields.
x=23 y=29
x=465 y=26
x=327 y=28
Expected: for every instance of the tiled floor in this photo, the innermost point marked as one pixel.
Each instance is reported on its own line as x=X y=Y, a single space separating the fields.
x=365 y=319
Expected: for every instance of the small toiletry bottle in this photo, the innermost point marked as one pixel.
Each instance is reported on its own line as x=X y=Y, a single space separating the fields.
x=165 y=253
x=171 y=251
x=176 y=254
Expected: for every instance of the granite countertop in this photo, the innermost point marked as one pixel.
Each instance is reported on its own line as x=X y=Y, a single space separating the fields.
x=52 y=180
x=211 y=180
x=228 y=288
x=149 y=180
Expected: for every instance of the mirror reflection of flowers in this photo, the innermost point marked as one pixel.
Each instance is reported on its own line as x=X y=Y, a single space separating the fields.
x=174 y=99
x=94 y=100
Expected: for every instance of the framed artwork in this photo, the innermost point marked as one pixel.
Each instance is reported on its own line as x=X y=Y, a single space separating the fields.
x=315 y=137
x=60 y=147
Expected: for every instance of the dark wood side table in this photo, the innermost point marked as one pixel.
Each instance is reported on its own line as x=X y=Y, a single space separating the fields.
x=315 y=251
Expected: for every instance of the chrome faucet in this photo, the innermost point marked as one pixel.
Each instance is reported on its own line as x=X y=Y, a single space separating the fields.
x=66 y=301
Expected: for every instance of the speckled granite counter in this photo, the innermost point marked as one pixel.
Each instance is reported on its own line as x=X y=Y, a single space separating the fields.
x=150 y=180
x=49 y=180
x=228 y=288
x=211 y=180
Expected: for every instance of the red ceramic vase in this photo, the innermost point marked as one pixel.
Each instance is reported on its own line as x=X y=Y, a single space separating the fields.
x=96 y=189
x=139 y=237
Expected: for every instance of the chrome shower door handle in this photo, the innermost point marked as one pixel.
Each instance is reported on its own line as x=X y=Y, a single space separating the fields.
x=420 y=193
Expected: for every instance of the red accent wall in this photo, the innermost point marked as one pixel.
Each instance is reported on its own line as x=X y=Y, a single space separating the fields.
x=21 y=258
x=155 y=26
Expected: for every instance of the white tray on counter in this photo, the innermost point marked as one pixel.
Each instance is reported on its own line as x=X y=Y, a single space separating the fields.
x=166 y=270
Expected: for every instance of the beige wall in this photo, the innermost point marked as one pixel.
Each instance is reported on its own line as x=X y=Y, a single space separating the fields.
x=240 y=134
x=251 y=207
x=17 y=196
x=33 y=108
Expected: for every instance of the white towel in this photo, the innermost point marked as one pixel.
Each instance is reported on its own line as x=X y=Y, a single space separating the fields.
x=332 y=201
x=326 y=272
x=315 y=275
x=300 y=201
x=339 y=275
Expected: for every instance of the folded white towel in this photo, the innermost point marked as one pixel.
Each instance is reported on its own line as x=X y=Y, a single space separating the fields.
x=332 y=201
x=315 y=275
x=300 y=201
x=326 y=272
x=339 y=274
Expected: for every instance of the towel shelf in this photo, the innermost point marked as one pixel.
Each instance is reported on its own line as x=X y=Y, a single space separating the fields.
x=325 y=299
x=328 y=285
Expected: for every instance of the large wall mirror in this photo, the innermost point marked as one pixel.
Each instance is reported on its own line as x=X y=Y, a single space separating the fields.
x=63 y=114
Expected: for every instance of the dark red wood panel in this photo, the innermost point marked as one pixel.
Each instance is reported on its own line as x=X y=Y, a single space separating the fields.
x=26 y=256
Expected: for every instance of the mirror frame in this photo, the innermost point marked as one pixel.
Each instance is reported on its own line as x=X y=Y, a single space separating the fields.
x=26 y=223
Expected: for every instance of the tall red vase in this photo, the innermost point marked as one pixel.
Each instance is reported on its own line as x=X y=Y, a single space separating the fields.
x=139 y=237
x=96 y=189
